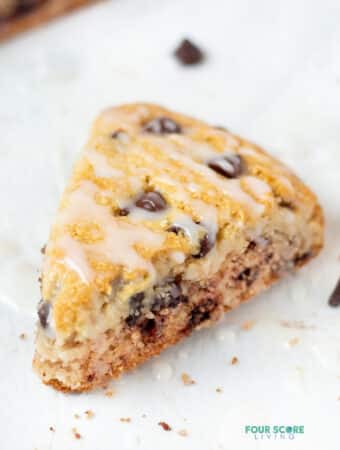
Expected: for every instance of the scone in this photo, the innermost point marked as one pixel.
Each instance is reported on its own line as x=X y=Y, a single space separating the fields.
x=166 y=223
x=20 y=15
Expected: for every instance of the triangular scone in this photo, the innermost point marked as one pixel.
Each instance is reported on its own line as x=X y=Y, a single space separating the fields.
x=166 y=223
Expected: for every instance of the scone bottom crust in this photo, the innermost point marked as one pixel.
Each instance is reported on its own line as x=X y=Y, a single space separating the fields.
x=165 y=224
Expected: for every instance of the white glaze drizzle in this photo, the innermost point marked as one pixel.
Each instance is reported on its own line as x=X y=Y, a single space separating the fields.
x=119 y=237
x=191 y=229
x=258 y=187
x=230 y=187
x=101 y=165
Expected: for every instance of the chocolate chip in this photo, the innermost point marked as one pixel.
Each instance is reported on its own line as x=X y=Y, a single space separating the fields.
x=206 y=244
x=43 y=312
x=165 y=426
x=162 y=125
x=152 y=201
x=334 y=299
x=149 y=328
x=115 y=134
x=300 y=260
x=120 y=135
x=248 y=275
x=168 y=295
x=252 y=245
x=188 y=53
x=286 y=204
x=135 y=304
x=123 y=212
x=175 y=229
x=230 y=166
x=202 y=312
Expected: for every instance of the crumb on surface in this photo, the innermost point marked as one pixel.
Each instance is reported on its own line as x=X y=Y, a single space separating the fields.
x=144 y=416
x=165 y=426
x=89 y=414
x=234 y=360
x=182 y=432
x=219 y=390
x=76 y=434
x=23 y=336
x=125 y=419
x=109 y=393
x=76 y=416
x=293 y=341
x=298 y=324
x=338 y=398
x=187 y=380
x=247 y=325
x=52 y=429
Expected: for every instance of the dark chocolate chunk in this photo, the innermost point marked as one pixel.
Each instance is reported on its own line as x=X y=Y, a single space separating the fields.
x=188 y=53
x=248 y=275
x=286 y=204
x=334 y=299
x=149 y=328
x=252 y=245
x=300 y=260
x=162 y=125
x=175 y=229
x=43 y=312
x=201 y=312
x=151 y=201
x=230 y=166
x=206 y=244
x=43 y=249
x=165 y=426
x=135 y=304
x=123 y=212
x=117 y=134
x=168 y=295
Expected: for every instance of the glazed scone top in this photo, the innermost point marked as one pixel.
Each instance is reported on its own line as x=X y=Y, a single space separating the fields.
x=153 y=190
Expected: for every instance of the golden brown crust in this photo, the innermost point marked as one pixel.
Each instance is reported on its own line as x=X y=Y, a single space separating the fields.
x=37 y=16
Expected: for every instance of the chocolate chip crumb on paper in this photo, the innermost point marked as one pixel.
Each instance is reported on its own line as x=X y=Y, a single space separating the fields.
x=293 y=342
x=109 y=393
x=165 y=426
x=125 y=419
x=187 y=380
x=234 y=360
x=76 y=434
x=183 y=433
x=248 y=325
x=188 y=53
x=89 y=414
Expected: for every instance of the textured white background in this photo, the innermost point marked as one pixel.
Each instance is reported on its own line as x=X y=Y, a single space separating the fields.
x=272 y=74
